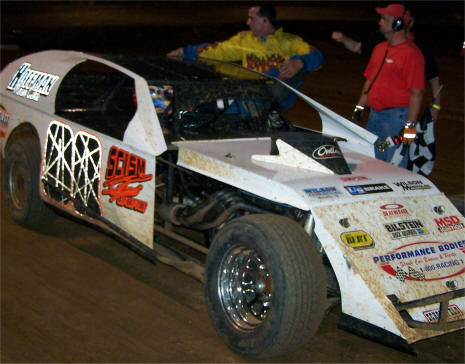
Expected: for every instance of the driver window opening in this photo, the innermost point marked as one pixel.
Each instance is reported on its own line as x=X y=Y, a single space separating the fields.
x=97 y=96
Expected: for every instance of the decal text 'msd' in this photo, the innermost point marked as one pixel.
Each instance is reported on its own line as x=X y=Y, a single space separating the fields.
x=124 y=169
x=449 y=223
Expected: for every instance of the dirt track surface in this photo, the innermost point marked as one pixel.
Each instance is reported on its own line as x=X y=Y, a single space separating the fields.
x=72 y=294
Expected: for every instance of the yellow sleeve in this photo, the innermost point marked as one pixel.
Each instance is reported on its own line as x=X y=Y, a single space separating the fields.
x=298 y=46
x=229 y=50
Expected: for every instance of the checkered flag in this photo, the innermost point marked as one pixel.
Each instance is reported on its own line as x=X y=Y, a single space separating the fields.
x=416 y=274
x=422 y=152
x=399 y=153
x=401 y=274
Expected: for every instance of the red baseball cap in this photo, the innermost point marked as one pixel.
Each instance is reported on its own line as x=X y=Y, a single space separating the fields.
x=395 y=10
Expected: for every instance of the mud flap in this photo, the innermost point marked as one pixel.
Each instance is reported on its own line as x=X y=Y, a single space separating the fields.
x=374 y=333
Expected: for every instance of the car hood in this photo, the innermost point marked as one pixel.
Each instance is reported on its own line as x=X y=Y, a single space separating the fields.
x=293 y=177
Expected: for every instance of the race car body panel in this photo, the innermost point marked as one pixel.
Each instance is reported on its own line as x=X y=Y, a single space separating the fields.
x=412 y=250
x=97 y=177
x=242 y=163
x=34 y=81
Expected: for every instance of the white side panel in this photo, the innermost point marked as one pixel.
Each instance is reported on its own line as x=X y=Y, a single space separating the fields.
x=230 y=161
x=97 y=177
x=128 y=190
x=144 y=130
x=395 y=246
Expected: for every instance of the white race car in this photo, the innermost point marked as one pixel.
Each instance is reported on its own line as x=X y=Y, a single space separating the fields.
x=195 y=164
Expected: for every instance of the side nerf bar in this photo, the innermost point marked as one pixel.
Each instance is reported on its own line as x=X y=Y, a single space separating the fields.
x=443 y=299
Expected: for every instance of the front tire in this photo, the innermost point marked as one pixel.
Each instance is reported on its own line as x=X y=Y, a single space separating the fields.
x=21 y=182
x=266 y=286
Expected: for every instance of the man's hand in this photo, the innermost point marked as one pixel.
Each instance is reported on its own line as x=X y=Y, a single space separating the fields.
x=410 y=132
x=351 y=44
x=289 y=68
x=434 y=109
x=337 y=36
x=358 y=112
x=176 y=53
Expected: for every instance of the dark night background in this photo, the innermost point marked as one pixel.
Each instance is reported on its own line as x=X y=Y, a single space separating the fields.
x=155 y=27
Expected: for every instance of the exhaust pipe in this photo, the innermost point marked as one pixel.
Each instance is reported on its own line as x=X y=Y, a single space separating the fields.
x=208 y=214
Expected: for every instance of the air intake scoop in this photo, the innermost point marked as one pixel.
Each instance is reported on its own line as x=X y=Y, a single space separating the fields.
x=308 y=151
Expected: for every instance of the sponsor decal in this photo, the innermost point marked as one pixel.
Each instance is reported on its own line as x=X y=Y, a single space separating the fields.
x=453 y=313
x=393 y=209
x=365 y=189
x=326 y=152
x=412 y=185
x=424 y=261
x=357 y=240
x=405 y=229
x=123 y=170
x=30 y=84
x=353 y=178
x=322 y=192
x=4 y=120
x=448 y=223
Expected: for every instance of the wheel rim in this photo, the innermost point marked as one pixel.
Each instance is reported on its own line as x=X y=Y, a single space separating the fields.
x=245 y=288
x=18 y=186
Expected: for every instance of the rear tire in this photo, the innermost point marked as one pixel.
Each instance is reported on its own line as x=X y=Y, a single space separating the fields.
x=21 y=175
x=266 y=286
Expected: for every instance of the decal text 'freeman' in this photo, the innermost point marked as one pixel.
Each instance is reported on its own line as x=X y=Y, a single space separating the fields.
x=30 y=83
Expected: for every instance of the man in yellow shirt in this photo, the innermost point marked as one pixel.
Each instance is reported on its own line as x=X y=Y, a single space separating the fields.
x=264 y=48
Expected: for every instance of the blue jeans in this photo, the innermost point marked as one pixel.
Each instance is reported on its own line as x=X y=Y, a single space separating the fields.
x=386 y=123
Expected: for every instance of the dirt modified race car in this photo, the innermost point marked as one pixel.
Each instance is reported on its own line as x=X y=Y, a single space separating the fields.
x=194 y=164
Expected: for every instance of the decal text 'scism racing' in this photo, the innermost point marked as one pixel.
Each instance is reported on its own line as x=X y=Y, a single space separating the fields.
x=125 y=169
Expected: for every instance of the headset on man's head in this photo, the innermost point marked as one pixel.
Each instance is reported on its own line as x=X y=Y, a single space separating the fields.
x=399 y=23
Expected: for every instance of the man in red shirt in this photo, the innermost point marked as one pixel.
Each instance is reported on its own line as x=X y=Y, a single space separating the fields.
x=395 y=82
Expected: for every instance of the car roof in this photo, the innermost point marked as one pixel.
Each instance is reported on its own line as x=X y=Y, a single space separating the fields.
x=182 y=69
